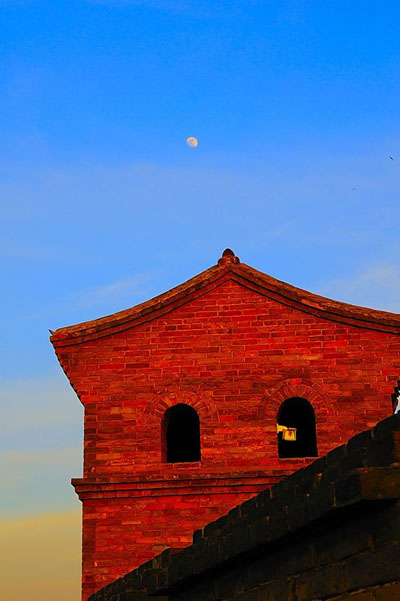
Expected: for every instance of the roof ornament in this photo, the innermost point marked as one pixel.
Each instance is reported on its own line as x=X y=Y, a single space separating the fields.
x=228 y=256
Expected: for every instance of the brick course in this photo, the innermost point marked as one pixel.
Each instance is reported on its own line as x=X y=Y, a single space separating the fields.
x=234 y=344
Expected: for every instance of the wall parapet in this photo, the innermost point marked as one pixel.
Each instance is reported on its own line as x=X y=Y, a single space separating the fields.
x=338 y=507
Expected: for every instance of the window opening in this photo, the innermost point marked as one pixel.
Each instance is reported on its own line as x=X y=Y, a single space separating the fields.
x=181 y=434
x=296 y=429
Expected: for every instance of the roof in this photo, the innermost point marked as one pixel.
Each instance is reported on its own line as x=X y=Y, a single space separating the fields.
x=228 y=267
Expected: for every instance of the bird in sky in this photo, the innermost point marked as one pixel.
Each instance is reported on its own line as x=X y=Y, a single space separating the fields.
x=391 y=158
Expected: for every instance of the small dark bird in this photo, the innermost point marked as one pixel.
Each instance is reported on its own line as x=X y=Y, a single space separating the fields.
x=391 y=158
x=354 y=188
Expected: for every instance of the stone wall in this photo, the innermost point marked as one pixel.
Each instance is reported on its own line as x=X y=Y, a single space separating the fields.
x=330 y=531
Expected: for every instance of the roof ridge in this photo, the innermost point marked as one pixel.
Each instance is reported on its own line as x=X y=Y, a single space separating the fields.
x=318 y=301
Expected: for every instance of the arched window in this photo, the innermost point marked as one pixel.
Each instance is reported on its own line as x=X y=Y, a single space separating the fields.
x=181 y=434
x=296 y=413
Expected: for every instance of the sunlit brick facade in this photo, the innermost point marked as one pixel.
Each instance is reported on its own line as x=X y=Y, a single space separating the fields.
x=233 y=344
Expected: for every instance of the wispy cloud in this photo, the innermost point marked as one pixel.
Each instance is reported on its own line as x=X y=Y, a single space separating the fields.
x=41 y=445
x=38 y=480
x=39 y=520
x=32 y=407
x=149 y=195
x=195 y=8
x=276 y=233
x=52 y=457
x=117 y=291
x=378 y=286
x=111 y=297
x=20 y=249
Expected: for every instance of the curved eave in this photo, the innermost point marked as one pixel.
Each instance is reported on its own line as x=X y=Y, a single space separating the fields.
x=265 y=285
x=321 y=306
x=141 y=313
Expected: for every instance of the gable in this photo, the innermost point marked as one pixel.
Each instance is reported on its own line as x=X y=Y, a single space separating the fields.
x=228 y=268
x=236 y=341
x=232 y=324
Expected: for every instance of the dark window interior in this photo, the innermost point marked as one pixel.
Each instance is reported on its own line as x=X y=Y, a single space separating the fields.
x=182 y=434
x=297 y=413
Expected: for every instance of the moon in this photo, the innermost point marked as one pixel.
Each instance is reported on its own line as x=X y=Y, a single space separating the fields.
x=192 y=142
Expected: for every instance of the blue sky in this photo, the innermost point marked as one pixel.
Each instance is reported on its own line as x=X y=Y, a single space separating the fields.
x=103 y=205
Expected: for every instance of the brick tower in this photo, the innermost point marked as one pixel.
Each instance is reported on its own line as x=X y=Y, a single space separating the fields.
x=203 y=396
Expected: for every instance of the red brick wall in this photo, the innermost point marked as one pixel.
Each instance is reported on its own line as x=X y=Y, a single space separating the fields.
x=330 y=531
x=234 y=355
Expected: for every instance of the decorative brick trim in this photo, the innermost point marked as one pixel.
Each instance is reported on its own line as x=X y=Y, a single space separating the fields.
x=202 y=402
x=287 y=389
